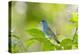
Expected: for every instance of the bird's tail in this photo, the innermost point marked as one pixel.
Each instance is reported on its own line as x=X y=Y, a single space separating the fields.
x=57 y=40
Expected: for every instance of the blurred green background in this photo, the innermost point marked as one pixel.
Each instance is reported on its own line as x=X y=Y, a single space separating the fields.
x=26 y=26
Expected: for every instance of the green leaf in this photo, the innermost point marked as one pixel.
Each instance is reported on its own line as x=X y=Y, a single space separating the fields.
x=47 y=45
x=74 y=17
x=39 y=36
x=30 y=42
x=66 y=44
x=36 y=33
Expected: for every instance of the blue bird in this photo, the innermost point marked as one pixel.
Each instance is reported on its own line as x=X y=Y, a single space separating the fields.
x=48 y=31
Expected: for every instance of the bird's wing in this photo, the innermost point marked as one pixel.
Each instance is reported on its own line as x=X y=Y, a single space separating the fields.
x=53 y=35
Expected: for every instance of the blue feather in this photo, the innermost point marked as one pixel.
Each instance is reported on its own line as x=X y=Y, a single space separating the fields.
x=48 y=31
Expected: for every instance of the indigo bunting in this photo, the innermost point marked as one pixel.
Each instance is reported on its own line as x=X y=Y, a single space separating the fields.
x=48 y=31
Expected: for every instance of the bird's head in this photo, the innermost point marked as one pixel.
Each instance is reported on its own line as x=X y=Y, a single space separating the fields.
x=43 y=21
